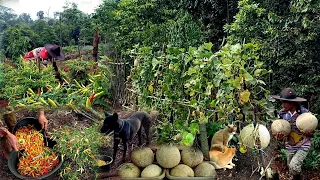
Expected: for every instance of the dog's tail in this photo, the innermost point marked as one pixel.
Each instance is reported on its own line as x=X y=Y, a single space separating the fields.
x=218 y=147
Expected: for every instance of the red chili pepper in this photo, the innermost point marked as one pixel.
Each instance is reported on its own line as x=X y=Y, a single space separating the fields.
x=39 y=91
x=91 y=97
x=36 y=161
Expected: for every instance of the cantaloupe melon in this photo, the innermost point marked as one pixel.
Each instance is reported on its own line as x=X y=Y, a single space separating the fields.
x=142 y=157
x=152 y=170
x=129 y=170
x=182 y=170
x=307 y=122
x=280 y=127
x=205 y=170
x=191 y=157
x=250 y=135
x=168 y=156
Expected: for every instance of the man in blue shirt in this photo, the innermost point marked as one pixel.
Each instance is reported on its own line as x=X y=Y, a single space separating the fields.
x=297 y=143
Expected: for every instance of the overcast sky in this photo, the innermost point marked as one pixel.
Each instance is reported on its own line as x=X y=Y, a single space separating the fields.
x=33 y=6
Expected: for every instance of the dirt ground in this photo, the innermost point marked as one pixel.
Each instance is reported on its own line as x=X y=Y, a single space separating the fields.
x=245 y=165
x=244 y=169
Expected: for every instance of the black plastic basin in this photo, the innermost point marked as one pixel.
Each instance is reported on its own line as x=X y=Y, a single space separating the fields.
x=105 y=158
x=13 y=157
x=25 y=122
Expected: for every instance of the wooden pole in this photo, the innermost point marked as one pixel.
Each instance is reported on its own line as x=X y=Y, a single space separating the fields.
x=204 y=140
x=96 y=41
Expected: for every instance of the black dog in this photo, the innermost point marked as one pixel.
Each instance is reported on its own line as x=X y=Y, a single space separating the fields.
x=126 y=129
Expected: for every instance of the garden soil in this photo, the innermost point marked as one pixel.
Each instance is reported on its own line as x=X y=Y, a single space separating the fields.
x=244 y=169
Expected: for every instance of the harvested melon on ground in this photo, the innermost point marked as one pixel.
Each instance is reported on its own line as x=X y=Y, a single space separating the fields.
x=152 y=170
x=191 y=157
x=142 y=157
x=250 y=136
x=307 y=122
x=168 y=156
x=129 y=170
x=280 y=128
x=205 y=170
x=182 y=170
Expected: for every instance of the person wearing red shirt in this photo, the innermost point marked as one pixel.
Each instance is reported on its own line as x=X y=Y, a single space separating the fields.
x=50 y=52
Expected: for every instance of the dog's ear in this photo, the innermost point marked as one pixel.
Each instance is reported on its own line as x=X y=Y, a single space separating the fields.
x=115 y=115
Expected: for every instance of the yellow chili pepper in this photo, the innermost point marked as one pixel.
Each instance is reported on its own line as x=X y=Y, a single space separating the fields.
x=43 y=101
x=52 y=103
x=98 y=94
x=31 y=92
x=88 y=103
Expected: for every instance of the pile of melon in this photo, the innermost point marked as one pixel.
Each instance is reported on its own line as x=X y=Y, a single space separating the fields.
x=146 y=164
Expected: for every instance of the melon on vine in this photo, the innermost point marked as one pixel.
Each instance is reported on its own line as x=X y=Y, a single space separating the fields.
x=251 y=135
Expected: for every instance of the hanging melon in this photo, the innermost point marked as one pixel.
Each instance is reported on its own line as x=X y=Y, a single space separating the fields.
x=251 y=136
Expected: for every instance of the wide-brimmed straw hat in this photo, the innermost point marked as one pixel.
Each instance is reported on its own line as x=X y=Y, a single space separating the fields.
x=289 y=94
x=55 y=51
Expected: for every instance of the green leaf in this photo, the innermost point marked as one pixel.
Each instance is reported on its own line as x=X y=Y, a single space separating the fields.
x=194 y=128
x=192 y=71
x=188 y=139
x=245 y=96
x=155 y=62
x=208 y=46
x=237 y=83
x=193 y=102
x=150 y=88
x=192 y=93
x=213 y=103
x=247 y=76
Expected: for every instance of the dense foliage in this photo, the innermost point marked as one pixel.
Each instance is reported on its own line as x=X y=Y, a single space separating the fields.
x=79 y=149
x=199 y=84
x=289 y=36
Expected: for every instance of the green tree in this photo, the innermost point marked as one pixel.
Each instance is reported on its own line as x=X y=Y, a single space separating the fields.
x=7 y=18
x=17 y=43
x=146 y=22
x=24 y=18
x=45 y=32
x=40 y=15
x=289 y=36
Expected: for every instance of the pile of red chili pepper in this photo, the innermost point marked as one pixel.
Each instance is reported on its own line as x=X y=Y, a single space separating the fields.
x=37 y=159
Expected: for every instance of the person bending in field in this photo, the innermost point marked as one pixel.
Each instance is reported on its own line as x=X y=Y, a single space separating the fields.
x=297 y=144
x=44 y=54
x=50 y=52
x=9 y=141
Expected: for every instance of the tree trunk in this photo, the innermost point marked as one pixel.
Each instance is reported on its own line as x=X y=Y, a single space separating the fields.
x=96 y=41
x=204 y=140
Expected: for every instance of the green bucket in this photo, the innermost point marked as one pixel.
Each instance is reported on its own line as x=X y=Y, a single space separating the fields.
x=13 y=160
